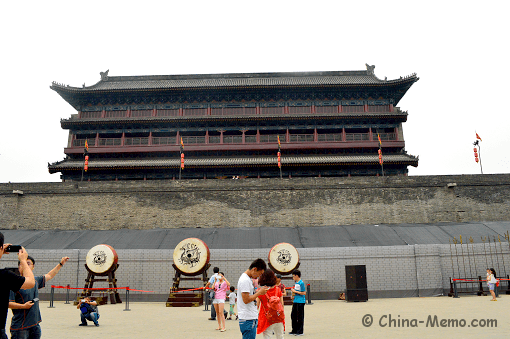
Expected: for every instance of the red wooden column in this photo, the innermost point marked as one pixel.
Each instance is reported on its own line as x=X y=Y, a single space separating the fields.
x=370 y=134
x=207 y=136
x=287 y=135
x=315 y=135
x=343 y=134
x=244 y=136
x=257 y=138
x=178 y=138
x=150 y=138
x=123 y=139
x=97 y=139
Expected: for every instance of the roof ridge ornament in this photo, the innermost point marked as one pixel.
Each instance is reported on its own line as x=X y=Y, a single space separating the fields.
x=370 y=69
x=104 y=75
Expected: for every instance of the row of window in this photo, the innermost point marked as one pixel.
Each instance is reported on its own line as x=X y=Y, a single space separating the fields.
x=235 y=111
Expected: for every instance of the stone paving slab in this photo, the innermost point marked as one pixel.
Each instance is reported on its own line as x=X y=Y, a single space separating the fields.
x=323 y=319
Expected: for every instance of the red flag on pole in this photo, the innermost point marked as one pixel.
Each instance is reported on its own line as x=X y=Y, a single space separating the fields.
x=182 y=155
x=378 y=137
x=478 y=137
x=86 y=145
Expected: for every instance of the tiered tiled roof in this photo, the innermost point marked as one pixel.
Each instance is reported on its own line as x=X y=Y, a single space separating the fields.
x=237 y=161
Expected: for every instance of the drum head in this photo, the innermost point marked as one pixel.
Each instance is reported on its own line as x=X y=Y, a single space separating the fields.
x=191 y=255
x=283 y=257
x=101 y=258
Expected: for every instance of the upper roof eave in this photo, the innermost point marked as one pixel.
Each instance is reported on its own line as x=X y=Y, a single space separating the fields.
x=232 y=80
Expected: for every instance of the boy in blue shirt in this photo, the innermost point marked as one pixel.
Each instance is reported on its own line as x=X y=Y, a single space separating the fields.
x=298 y=306
x=25 y=305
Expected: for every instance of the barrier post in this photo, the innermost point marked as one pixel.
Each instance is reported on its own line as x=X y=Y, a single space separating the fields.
x=309 y=296
x=455 y=293
x=480 y=286
x=51 y=297
x=496 y=290
x=206 y=300
x=67 y=294
x=127 y=299
x=507 y=285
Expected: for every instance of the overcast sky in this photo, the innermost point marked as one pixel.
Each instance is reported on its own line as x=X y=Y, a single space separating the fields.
x=459 y=49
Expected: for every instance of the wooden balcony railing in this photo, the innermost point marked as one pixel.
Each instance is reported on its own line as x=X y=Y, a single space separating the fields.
x=163 y=140
x=331 y=137
x=300 y=138
x=81 y=142
x=271 y=138
x=357 y=137
x=193 y=140
x=236 y=139
x=385 y=136
x=250 y=139
x=232 y=139
x=136 y=141
x=109 y=141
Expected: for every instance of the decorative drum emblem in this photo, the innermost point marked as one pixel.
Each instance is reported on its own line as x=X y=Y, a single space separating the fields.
x=283 y=257
x=101 y=258
x=191 y=255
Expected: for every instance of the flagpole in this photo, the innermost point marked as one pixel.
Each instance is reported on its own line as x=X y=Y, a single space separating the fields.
x=380 y=155
x=279 y=160
x=85 y=153
x=480 y=157
x=181 y=158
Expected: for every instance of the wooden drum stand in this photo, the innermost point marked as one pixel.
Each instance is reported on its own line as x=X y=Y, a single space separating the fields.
x=191 y=259
x=102 y=262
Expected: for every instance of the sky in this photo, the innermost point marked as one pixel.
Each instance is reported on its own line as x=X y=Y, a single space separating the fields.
x=459 y=50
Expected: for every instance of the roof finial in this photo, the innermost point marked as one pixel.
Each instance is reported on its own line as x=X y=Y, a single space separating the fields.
x=370 y=69
x=104 y=75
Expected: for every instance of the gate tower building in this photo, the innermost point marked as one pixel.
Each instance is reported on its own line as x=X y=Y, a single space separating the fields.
x=328 y=124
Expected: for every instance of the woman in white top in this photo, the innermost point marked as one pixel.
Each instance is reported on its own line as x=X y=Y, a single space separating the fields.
x=491 y=282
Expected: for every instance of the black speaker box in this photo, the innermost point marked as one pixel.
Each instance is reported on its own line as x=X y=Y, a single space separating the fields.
x=356 y=295
x=356 y=277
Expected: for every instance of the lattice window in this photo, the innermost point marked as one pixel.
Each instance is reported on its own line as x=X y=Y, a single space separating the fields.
x=194 y=111
x=91 y=115
x=233 y=111
x=378 y=108
x=116 y=114
x=271 y=110
x=167 y=113
x=300 y=109
x=353 y=109
x=141 y=113
x=326 y=109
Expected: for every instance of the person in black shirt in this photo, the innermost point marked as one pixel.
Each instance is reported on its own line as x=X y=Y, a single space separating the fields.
x=12 y=282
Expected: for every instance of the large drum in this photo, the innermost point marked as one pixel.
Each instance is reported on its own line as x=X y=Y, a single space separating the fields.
x=101 y=259
x=284 y=258
x=191 y=256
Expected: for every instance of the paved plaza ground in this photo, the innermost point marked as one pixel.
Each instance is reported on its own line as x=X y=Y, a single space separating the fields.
x=323 y=319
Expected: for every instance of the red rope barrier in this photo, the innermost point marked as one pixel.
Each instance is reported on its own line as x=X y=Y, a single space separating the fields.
x=477 y=280
x=99 y=288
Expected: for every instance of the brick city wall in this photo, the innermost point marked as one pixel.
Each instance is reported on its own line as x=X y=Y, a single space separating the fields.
x=303 y=202
x=392 y=271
